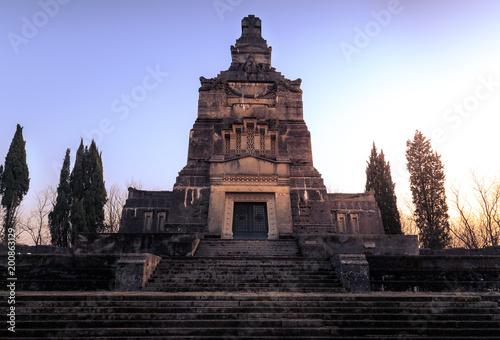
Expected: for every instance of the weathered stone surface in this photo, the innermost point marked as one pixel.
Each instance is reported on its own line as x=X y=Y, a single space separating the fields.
x=61 y=272
x=435 y=272
x=352 y=270
x=361 y=206
x=490 y=250
x=141 y=203
x=250 y=143
x=134 y=270
x=276 y=315
x=158 y=243
x=325 y=245
x=39 y=249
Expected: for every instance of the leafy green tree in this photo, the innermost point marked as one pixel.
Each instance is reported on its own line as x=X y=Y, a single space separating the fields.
x=379 y=179
x=59 y=217
x=428 y=192
x=15 y=179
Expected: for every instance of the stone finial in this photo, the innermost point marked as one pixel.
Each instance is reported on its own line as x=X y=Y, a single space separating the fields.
x=251 y=26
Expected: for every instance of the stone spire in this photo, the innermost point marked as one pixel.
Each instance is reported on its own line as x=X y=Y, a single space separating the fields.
x=251 y=53
x=251 y=29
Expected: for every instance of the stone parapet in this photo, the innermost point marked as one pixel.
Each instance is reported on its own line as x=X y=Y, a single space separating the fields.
x=353 y=272
x=326 y=245
x=122 y=243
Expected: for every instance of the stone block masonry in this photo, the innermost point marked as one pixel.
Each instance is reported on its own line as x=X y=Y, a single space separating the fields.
x=250 y=145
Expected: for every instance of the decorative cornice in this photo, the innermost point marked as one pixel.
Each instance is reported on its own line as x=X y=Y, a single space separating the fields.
x=220 y=84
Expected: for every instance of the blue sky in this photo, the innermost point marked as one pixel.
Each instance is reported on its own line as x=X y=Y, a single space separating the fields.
x=371 y=71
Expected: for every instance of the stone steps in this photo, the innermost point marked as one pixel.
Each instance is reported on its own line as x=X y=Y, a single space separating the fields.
x=292 y=274
x=276 y=315
x=209 y=314
x=271 y=337
x=265 y=248
x=434 y=285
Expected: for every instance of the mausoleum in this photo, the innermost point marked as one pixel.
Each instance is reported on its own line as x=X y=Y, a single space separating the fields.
x=249 y=244
x=250 y=172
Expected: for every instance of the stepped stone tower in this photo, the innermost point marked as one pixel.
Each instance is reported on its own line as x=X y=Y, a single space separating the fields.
x=249 y=172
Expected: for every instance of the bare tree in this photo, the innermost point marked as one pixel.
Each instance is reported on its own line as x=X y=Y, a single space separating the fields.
x=478 y=223
x=488 y=197
x=36 y=224
x=406 y=210
x=113 y=208
x=331 y=189
x=465 y=226
x=132 y=183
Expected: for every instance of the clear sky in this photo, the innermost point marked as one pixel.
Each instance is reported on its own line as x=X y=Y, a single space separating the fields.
x=126 y=72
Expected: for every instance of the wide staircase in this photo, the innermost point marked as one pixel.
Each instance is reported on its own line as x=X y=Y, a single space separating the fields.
x=245 y=266
x=276 y=248
x=256 y=289
x=276 y=315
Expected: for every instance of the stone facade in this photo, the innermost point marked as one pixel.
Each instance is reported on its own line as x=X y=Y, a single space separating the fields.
x=250 y=159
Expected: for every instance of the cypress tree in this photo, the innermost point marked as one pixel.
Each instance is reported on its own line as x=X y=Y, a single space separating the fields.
x=15 y=179
x=1 y=172
x=379 y=179
x=78 y=223
x=95 y=191
x=59 y=217
x=87 y=190
x=428 y=192
x=77 y=184
x=77 y=177
x=373 y=171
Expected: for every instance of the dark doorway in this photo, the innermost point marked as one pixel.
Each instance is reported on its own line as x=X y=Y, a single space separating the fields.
x=250 y=220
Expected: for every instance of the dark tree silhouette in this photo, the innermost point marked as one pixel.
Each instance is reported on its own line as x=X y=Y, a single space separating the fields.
x=59 y=217
x=15 y=179
x=428 y=192
x=379 y=179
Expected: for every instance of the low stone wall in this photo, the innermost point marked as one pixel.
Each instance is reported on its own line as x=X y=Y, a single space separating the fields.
x=492 y=250
x=435 y=273
x=41 y=249
x=62 y=260
x=327 y=245
x=51 y=272
x=121 y=243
